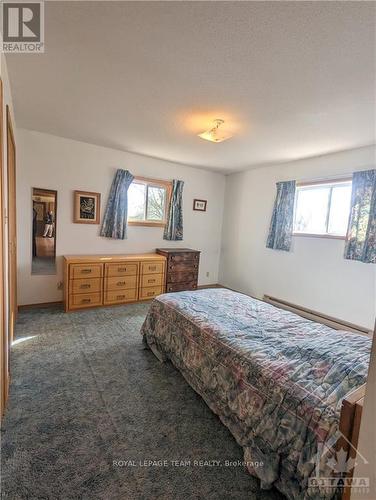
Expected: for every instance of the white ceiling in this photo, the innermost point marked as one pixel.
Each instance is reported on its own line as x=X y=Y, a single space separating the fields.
x=291 y=79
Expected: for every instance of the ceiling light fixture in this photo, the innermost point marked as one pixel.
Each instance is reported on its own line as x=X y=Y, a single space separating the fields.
x=214 y=134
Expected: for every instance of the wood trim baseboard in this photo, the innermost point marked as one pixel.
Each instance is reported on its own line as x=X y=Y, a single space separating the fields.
x=337 y=324
x=325 y=319
x=25 y=307
x=213 y=285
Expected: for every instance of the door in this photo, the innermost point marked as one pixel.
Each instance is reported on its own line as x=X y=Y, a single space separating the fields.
x=12 y=234
x=4 y=378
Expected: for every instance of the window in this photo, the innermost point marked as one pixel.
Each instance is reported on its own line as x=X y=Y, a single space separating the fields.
x=323 y=209
x=148 y=201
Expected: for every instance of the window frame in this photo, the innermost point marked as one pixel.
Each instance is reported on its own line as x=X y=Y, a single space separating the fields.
x=167 y=185
x=332 y=183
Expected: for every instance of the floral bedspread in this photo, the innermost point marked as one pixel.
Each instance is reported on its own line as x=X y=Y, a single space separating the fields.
x=275 y=379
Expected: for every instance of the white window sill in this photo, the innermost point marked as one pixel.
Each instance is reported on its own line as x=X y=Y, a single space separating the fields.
x=146 y=223
x=315 y=235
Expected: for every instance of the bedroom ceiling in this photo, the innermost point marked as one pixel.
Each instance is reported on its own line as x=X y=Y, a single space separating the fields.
x=290 y=79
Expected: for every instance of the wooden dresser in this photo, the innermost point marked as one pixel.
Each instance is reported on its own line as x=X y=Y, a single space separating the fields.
x=101 y=280
x=182 y=268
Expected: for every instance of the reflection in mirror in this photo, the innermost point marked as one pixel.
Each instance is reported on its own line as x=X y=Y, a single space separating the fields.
x=44 y=231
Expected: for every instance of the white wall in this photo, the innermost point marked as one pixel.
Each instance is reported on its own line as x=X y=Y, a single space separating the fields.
x=314 y=274
x=51 y=162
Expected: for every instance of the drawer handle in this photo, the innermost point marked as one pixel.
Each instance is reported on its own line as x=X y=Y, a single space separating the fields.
x=85 y=301
x=120 y=283
x=151 y=281
x=152 y=268
x=122 y=269
x=85 y=271
x=150 y=294
x=119 y=297
x=86 y=285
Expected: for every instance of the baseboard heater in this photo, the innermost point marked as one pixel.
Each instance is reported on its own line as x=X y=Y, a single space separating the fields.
x=335 y=323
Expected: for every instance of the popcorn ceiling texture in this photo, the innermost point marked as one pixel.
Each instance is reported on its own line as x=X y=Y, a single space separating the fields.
x=290 y=79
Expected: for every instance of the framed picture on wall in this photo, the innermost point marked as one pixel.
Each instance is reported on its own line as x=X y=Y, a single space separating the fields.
x=87 y=207
x=199 y=205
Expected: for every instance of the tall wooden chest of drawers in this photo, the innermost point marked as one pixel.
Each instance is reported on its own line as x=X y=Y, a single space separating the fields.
x=101 y=280
x=182 y=268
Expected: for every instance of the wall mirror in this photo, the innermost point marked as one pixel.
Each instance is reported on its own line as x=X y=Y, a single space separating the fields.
x=44 y=231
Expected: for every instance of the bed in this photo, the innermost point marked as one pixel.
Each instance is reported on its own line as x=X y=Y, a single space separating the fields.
x=274 y=378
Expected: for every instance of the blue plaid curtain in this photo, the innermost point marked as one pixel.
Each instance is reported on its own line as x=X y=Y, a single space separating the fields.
x=281 y=225
x=114 y=223
x=361 y=233
x=174 y=226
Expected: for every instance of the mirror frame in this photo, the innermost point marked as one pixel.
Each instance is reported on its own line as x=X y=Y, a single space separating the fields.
x=49 y=191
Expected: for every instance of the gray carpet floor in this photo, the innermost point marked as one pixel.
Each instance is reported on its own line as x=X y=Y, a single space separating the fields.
x=88 y=405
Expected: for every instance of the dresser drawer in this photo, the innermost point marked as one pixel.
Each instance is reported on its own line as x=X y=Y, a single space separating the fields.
x=182 y=258
x=85 y=300
x=120 y=282
x=120 y=296
x=151 y=280
x=85 y=285
x=182 y=266
x=150 y=292
x=128 y=269
x=182 y=277
x=152 y=267
x=97 y=280
x=85 y=271
x=179 y=287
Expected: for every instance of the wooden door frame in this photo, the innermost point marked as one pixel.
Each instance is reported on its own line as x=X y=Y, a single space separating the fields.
x=10 y=291
x=4 y=378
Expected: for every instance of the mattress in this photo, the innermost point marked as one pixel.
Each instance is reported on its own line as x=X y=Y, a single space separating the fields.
x=275 y=379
